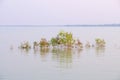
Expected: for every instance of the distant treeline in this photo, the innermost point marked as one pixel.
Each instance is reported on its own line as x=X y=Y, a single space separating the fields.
x=95 y=25
x=68 y=25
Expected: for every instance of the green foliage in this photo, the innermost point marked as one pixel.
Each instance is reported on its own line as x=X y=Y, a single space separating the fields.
x=100 y=42
x=44 y=43
x=54 y=41
x=63 y=38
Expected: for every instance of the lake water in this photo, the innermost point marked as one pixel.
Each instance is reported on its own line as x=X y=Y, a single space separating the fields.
x=54 y=64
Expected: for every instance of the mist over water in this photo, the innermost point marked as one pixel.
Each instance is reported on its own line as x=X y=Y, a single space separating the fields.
x=59 y=64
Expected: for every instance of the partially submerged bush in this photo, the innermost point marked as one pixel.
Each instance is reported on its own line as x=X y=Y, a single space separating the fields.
x=25 y=45
x=44 y=43
x=100 y=42
x=78 y=44
x=35 y=44
x=63 y=38
x=54 y=41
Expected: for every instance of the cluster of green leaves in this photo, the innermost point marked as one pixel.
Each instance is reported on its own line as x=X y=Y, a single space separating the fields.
x=63 y=38
x=44 y=43
x=100 y=42
x=54 y=41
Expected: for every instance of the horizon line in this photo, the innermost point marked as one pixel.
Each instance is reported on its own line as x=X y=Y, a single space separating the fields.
x=87 y=25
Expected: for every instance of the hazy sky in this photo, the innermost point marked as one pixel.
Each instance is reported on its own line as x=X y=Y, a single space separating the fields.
x=47 y=12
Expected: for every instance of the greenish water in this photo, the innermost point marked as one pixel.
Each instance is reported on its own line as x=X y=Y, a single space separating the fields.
x=57 y=64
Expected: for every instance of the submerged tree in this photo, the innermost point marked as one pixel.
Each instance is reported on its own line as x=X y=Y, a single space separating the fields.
x=63 y=38
x=69 y=39
x=35 y=44
x=43 y=43
x=78 y=44
x=66 y=38
x=100 y=42
x=25 y=45
x=54 y=41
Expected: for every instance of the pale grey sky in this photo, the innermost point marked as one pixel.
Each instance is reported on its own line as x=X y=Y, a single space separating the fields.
x=49 y=12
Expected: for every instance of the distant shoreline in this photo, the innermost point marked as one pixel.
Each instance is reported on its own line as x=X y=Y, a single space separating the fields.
x=82 y=25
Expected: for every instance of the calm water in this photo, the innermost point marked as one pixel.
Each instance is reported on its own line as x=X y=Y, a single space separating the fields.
x=55 y=64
